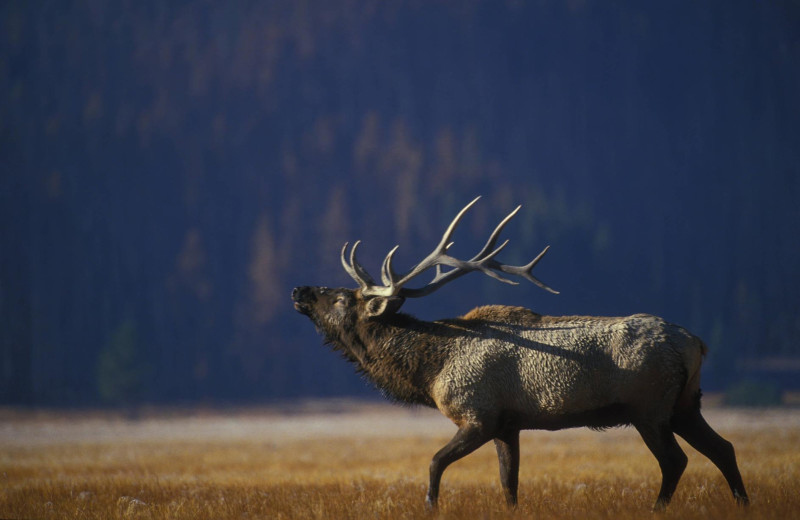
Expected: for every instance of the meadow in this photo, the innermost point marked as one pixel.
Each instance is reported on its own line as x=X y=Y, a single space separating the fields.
x=335 y=459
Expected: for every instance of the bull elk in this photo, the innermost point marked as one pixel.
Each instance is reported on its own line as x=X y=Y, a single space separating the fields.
x=498 y=369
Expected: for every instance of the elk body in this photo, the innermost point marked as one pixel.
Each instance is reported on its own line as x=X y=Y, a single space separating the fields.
x=498 y=369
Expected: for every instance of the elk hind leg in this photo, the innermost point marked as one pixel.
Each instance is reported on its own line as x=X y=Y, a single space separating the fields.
x=661 y=442
x=692 y=426
x=507 y=446
x=467 y=439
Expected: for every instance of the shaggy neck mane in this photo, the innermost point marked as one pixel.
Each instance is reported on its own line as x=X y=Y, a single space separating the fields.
x=398 y=353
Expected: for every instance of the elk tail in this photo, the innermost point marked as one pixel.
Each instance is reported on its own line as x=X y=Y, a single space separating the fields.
x=690 y=394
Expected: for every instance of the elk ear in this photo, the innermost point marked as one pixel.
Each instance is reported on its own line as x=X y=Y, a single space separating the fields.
x=380 y=305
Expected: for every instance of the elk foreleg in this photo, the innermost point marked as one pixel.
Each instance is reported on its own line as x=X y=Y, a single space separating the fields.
x=507 y=446
x=467 y=439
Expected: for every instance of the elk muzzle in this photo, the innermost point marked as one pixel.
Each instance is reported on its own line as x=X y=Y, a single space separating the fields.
x=304 y=298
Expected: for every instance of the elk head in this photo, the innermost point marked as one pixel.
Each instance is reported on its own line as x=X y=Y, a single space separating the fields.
x=335 y=310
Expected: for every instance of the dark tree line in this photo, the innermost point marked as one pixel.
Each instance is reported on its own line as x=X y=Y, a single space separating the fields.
x=171 y=170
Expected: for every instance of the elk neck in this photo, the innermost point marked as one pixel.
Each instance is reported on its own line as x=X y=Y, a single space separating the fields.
x=400 y=354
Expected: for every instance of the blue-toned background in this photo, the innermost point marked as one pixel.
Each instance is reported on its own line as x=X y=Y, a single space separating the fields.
x=170 y=170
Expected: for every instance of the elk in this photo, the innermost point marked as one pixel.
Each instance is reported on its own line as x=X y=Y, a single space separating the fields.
x=499 y=369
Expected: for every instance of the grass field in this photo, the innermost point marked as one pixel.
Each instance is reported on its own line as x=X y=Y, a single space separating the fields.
x=344 y=460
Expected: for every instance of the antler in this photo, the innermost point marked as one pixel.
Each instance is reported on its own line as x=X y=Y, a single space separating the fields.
x=393 y=284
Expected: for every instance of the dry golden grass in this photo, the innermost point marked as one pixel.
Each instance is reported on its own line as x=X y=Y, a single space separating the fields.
x=365 y=462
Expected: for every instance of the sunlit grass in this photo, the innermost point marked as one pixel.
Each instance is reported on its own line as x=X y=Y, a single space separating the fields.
x=224 y=467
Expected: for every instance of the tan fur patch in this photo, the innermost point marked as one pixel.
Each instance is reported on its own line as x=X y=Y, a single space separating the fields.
x=537 y=365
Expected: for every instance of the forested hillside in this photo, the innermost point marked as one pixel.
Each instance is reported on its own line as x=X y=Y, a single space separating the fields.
x=170 y=170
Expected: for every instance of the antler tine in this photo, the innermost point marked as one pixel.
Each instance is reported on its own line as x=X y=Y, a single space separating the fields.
x=484 y=265
x=347 y=267
x=444 y=277
x=354 y=269
x=439 y=252
x=460 y=268
x=445 y=242
x=525 y=271
x=362 y=273
x=388 y=275
x=496 y=234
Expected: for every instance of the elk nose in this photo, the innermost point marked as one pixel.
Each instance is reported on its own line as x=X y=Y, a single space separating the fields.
x=301 y=293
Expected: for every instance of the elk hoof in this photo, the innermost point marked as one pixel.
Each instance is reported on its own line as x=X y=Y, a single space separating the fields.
x=430 y=503
x=660 y=506
x=741 y=500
